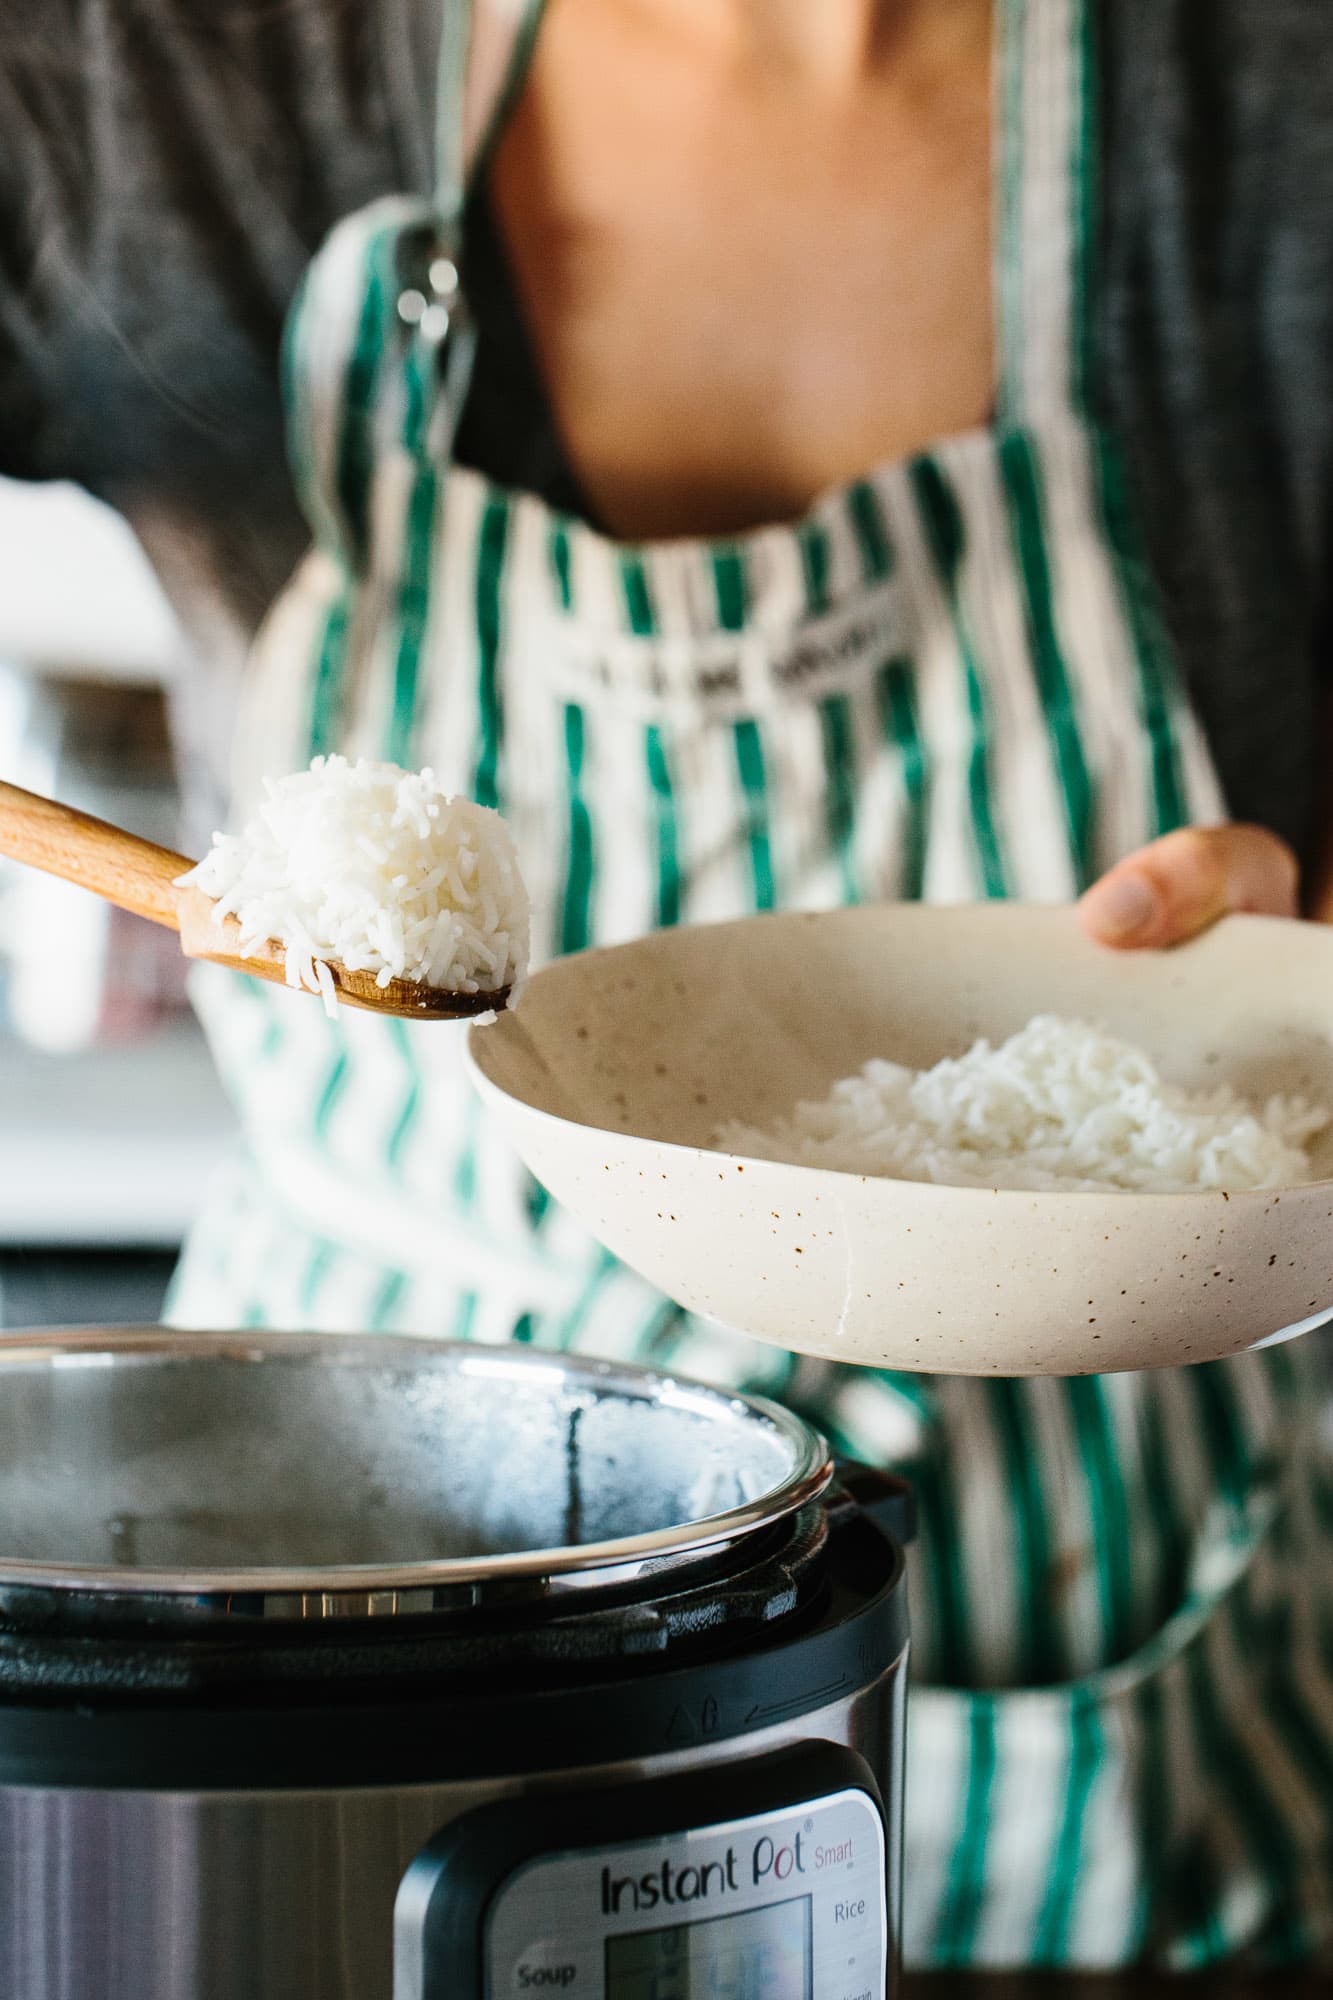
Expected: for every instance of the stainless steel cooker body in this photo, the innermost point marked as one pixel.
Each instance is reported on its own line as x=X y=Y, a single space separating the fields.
x=286 y=1896
x=275 y=1612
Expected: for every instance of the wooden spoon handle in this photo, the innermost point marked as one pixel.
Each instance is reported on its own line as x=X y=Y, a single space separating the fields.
x=134 y=874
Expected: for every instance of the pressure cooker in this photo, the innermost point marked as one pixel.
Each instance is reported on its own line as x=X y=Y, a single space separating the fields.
x=380 y=1669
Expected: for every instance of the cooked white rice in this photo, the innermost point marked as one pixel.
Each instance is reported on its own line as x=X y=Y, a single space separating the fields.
x=1059 y=1105
x=377 y=868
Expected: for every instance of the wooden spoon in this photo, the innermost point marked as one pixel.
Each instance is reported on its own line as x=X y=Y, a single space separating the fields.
x=137 y=875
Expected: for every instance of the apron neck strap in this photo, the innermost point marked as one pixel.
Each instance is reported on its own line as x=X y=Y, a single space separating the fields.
x=451 y=95
x=485 y=48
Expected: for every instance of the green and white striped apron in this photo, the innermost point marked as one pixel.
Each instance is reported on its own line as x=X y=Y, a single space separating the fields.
x=950 y=681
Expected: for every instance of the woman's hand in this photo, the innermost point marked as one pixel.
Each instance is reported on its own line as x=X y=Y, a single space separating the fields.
x=1176 y=887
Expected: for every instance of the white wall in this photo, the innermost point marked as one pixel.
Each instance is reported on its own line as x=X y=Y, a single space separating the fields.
x=76 y=590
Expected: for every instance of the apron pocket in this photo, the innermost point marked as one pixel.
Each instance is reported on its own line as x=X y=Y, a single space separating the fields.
x=1176 y=1807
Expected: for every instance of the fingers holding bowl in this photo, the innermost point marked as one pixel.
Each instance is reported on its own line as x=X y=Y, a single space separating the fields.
x=1179 y=885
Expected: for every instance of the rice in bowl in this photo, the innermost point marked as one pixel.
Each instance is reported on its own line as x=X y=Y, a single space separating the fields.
x=1060 y=1105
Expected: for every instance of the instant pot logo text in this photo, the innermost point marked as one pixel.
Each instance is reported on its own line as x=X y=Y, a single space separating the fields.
x=766 y=1860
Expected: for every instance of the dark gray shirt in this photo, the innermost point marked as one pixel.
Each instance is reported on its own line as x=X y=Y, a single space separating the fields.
x=169 y=166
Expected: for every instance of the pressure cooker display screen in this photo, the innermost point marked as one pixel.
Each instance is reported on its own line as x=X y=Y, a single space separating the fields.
x=763 y=1954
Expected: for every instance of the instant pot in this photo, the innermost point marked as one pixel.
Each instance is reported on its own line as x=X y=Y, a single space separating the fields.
x=341 y=1669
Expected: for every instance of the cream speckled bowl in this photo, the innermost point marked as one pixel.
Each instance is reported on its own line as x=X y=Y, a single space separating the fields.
x=618 y=1065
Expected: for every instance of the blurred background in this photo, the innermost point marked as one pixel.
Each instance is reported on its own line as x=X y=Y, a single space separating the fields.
x=110 y=1121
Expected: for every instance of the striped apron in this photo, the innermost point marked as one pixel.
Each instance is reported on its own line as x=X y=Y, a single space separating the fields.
x=949 y=680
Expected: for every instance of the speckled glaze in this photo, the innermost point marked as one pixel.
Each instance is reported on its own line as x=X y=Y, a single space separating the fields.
x=618 y=1065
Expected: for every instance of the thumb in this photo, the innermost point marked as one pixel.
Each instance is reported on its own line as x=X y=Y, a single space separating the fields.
x=1177 y=886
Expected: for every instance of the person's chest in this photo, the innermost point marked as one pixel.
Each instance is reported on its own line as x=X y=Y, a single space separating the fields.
x=741 y=291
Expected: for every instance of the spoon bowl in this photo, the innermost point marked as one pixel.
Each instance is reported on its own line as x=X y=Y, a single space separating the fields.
x=202 y=936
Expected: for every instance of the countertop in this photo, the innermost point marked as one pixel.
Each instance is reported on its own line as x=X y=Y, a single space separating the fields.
x=1222 y=1985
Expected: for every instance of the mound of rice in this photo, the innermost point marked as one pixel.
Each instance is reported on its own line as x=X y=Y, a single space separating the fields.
x=377 y=868
x=1060 y=1105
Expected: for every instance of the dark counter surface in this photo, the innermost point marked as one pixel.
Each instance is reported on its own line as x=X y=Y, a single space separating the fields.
x=1273 y=1984
x=56 y=1285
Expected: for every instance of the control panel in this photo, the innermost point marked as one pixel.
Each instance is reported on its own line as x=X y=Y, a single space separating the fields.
x=762 y=1878
x=785 y=1905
